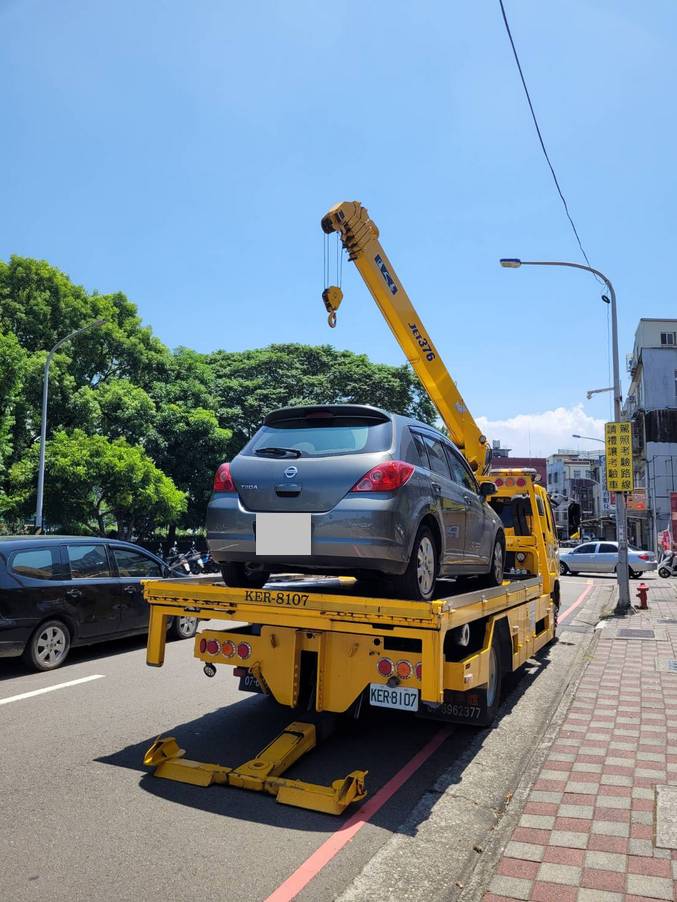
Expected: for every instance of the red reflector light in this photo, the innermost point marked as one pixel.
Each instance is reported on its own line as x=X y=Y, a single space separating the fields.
x=385 y=477
x=385 y=667
x=223 y=481
x=404 y=670
x=228 y=648
x=498 y=482
x=419 y=670
x=244 y=650
x=203 y=646
x=510 y=481
x=213 y=647
x=521 y=481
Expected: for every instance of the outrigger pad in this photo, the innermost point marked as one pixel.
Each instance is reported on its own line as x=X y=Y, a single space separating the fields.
x=263 y=773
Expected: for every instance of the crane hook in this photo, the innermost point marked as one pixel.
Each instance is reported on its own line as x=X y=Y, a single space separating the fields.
x=332 y=298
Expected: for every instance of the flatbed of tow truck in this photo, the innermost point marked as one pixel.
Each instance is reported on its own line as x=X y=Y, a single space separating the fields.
x=316 y=651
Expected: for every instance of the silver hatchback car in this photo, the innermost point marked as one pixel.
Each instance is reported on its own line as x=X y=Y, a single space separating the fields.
x=602 y=557
x=355 y=490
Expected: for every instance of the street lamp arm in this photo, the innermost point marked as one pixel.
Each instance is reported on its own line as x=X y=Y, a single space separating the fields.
x=591 y=269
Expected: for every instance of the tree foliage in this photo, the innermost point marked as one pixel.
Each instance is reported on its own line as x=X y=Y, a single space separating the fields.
x=136 y=430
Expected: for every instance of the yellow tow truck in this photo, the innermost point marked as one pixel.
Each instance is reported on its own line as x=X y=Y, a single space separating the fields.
x=330 y=652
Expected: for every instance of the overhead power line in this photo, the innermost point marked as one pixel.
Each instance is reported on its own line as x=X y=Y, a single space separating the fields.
x=540 y=136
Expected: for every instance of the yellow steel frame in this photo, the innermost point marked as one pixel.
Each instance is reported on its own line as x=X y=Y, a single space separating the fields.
x=262 y=773
x=348 y=635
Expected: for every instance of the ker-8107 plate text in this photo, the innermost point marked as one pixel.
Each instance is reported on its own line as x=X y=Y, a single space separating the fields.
x=396 y=697
x=290 y=599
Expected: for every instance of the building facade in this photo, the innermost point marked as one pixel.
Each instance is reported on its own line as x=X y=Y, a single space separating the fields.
x=651 y=405
x=576 y=483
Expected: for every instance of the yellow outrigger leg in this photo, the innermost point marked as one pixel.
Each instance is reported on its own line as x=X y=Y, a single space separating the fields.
x=262 y=774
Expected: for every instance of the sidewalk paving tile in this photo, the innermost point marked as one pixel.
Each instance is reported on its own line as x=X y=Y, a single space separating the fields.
x=588 y=830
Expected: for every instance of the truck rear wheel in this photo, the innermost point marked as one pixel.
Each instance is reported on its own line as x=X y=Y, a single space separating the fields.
x=494 y=685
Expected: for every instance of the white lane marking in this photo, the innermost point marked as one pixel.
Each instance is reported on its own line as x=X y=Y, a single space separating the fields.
x=22 y=695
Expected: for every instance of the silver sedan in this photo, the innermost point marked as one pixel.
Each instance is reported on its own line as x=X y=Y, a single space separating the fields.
x=602 y=557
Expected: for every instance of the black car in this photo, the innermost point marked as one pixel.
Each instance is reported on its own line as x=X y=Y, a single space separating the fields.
x=62 y=591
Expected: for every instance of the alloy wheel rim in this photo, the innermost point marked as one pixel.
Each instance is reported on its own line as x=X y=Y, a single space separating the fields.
x=498 y=563
x=493 y=678
x=185 y=625
x=50 y=646
x=425 y=565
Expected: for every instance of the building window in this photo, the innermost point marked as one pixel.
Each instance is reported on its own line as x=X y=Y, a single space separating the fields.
x=669 y=338
x=577 y=474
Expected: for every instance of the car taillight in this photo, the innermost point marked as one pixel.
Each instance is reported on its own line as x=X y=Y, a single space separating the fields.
x=223 y=481
x=203 y=646
x=419 y=670
x=244 y=650
x=645 y=556
x=385 y=667
x=385 y=477
x=404 y=670
x=228 y=648
x=520 y=481
x=213 y=647
x=498 y=482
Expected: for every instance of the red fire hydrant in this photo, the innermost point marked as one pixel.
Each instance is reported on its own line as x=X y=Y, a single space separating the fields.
x=642 y=590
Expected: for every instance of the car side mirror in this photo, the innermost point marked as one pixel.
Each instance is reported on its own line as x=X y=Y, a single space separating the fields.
x=486 y=489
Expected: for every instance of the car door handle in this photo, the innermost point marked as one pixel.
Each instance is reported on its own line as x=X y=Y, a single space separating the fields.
x=467 y=499
x=74 y=593
x=436 y=487
x=131 y=590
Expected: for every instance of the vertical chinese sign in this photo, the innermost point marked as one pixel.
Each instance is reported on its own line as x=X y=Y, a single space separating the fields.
x=618 y=445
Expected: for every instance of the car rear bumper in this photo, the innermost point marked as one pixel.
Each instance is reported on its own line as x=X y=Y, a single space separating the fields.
x=358 y=534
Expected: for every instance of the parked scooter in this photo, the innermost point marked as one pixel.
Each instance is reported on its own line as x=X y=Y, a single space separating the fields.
x=177 y=561
x=668 y=565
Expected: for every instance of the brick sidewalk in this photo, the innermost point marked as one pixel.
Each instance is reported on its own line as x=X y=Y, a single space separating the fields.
x=588 y=830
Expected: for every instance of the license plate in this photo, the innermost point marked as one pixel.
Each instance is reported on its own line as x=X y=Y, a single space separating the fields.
x=283 y=534
x=396 y=697
x=249 y=683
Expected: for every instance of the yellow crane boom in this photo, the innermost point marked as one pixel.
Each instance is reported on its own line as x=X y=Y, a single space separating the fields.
x=360 y=238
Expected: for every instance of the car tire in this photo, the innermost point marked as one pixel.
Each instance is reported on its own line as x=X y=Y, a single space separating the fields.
x=48 y=646
x=183 y=628
x=633 y=574
x=664 y=572
x=417 y=583
x=495 y=575
x=245 y=576
x=563 y=569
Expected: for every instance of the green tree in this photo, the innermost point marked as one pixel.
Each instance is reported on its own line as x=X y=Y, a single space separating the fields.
x=92 y=483
x=249 y=384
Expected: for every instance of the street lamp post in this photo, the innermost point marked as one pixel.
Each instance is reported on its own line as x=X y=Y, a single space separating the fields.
x=623 y=604
x=43 y=421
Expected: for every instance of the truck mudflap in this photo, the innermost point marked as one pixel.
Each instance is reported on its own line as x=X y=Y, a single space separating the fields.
x=262 y=773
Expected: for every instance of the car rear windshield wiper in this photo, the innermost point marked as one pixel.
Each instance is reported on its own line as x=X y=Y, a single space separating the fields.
x=278 y=452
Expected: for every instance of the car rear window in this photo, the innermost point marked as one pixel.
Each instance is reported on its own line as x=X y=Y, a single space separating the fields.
x=323 y=436
x=36 y=563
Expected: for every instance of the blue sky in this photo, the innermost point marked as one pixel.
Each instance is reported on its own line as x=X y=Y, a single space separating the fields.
x=185 y=153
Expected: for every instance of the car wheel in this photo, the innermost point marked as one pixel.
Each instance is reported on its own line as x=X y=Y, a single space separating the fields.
x=495 y=575
x=183 y=627
x=633 y=574
x=418 y=580
x=563 y=569
x=664 y=572
x=48 y=647
x=249 y=575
